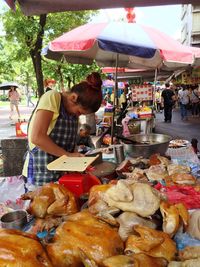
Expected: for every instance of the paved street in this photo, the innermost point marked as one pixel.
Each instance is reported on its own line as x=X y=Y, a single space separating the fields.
x=7 y=126
x=177 y=129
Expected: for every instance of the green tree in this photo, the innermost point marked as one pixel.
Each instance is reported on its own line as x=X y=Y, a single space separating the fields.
x=29 y=33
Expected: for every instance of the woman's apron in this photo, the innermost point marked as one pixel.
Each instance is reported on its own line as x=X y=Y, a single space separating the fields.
x=64 y=135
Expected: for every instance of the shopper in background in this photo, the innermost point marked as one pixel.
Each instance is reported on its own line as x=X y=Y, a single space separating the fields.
x=183 y=97
x=195 y=101
x=168 y=100
x=29 y=100
x=14 y=98
x=158 y=100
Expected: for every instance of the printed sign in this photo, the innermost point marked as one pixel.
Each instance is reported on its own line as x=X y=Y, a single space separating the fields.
x=142 y=92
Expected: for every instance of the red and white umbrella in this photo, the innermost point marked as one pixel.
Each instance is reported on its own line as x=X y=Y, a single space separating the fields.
x=137 y=46
x=120 y=44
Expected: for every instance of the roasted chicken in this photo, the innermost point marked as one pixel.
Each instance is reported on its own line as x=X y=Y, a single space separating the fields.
x=98 y=207
x=194 y=224
x=138 y=197
x=49 y=205
x=173 y=217
x=21 y=249
x=51 y=199
x=151 y=242
x=83 y=238
x=128 y=220
x=137 y=260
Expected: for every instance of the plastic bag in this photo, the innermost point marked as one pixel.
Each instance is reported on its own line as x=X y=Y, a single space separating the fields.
x=11 y=189
x=181 y=194
x=183 y=240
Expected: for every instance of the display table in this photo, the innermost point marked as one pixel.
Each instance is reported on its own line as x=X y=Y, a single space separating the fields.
x=183 y=154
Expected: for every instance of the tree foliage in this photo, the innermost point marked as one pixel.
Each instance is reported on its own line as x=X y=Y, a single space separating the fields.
x=26 y=35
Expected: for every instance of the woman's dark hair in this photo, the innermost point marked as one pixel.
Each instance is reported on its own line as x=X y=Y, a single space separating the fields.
x=89 y=92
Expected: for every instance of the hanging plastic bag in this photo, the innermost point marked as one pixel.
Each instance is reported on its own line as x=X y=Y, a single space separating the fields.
x=11 y=189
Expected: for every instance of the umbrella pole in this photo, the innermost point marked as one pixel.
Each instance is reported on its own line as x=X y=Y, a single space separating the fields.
x=114 y=103
x=154 y=87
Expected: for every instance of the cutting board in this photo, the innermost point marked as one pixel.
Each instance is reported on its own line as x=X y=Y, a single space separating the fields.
x=77 y=164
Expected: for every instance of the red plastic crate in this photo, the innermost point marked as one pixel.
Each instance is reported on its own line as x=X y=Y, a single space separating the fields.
x=78 y=183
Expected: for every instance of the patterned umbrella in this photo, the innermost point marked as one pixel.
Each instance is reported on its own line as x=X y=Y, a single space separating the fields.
x=137 y=46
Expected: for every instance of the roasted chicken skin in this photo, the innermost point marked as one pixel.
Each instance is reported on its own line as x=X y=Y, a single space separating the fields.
x=151 y=242
x=51 y=199
x=21 y=249
x=83 y=234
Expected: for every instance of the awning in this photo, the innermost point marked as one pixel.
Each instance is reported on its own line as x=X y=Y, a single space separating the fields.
x=37 y=7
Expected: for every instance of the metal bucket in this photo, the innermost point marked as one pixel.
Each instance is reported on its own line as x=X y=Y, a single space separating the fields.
x=119 y=153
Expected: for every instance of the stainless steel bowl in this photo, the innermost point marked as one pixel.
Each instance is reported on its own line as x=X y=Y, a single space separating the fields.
x=147 y=145
x=14 y=219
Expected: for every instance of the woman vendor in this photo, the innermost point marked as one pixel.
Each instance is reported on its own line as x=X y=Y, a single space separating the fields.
x=53 y=128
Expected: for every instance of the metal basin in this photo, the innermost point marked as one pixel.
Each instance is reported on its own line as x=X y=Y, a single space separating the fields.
x=14 y=219
x=148 y=144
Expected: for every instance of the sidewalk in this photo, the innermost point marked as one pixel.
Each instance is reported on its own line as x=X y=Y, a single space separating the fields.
x=7 y=126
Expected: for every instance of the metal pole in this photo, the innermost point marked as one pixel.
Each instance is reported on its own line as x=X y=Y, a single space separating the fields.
x=114 y=103
x=154 y=87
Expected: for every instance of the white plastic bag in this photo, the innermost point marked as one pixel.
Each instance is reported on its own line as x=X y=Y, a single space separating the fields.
x=11 y=189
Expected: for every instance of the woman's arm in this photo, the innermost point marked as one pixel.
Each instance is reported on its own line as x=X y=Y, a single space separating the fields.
x=40 y=138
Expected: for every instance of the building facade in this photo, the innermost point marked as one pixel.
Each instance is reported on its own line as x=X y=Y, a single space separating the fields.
x=190 y=32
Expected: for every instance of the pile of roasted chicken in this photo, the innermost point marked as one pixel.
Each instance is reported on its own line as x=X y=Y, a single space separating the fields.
x=128 y=223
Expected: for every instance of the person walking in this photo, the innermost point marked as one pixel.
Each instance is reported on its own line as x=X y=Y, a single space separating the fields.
x=195 y=100
x=14 y=98
x=158 y=100
x=183 y=97
x=168 y=100
x=29 y=100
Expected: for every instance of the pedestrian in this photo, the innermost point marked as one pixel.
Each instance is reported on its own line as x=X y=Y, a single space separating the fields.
x=48 y=84
x=107 y=98
x=52 y=130
x=14 y=98
x=84 y=140
x=158 y=101
x=112 y=100
x=195 y=100
x=123 y=101
x=183 y=97
x=29 y=100
x=168 y=100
